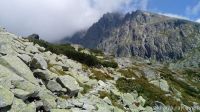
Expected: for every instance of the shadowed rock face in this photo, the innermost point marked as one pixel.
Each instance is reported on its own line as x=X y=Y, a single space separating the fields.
x=142 y=34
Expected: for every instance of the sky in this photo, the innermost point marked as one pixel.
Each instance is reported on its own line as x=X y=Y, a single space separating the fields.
x=56 y=19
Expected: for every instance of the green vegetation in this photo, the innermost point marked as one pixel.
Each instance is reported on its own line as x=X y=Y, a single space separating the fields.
x=70 y=52
x=128 y=73
x=190 y=91
x=100 y=75
x=114 y=98
x=86 y=88
x=149 y=91
x=111 y=64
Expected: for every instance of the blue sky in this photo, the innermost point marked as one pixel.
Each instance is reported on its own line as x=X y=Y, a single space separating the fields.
x=186 y=8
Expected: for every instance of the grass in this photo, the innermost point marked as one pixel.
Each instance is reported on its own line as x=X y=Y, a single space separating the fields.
x=70 y=52
x=149 y=91
x=86 y=88
x=99 y=75
x=128 y=73
x=114 y=98
x=189 y=94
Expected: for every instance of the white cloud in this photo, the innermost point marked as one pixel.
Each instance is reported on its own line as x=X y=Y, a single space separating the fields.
x=193 y=10
x=54 y=19
x=175 y=16
x=198 y=20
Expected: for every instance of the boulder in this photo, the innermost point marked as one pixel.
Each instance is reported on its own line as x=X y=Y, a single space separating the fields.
x=25 y=58
x=6 y=76
x=44 y=74
x=54 y=86
x=6 y=44
x=141 y=100
x=150 y=74
x=6 y=97
x=60 y=110
x=162 y=84
x=19 y=93
x=70 y=83
x=16 y=65
x=24 y=89
x=31 y=49
x=48 y=99
x=38 y=62
x=17 y=105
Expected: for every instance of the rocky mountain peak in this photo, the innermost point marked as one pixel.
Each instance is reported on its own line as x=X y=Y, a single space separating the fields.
x=37 y=76
x=143 y=34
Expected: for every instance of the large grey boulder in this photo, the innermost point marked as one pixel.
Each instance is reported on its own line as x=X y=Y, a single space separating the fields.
x=22 y=94
x=16 y=65
x=24 y=89
x=20 y=106
x=6 y=97
x=44 y=74
x=55 y=86
x=17 y=105
x=6 y=76
x=38 y=62
x=31 y=49
x=60 y=110
x=6 y=43
x=70 y=83
x=48 y=99
x=162 y=84
x=150 y=74
x=25 y=58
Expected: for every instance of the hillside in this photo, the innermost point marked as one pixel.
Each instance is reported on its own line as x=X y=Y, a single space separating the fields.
x=39 y=76
x=144 y=34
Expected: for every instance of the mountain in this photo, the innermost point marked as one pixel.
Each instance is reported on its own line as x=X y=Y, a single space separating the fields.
x=37 y=76
x=143 y=34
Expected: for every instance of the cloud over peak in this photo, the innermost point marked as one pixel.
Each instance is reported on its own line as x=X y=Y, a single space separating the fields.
x=54 y=19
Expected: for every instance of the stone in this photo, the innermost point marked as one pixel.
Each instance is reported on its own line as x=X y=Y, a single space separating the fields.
x=54 y=86
x=64 y=104
x=150 y=74
x=141 y=100
x=60 y=110
x=6 y=97
x=38 y=62
x=162 y=84
x=16 y=65
x=24 y=88
x=48 y=99
x=31 y=49
x=29 y=108
x=6 y=44
x=6 y=76
x=128 y=100
x=88 y=107
x=25 y=58
x=107 y=100
x=17 y=105
x=19 y=93
x=70 y=83
x=44 y=74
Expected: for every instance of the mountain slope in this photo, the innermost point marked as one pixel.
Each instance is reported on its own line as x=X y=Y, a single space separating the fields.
x=142 y=34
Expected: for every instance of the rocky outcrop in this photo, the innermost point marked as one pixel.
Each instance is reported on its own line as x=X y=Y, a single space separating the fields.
x=35 y=80
x=143 y=34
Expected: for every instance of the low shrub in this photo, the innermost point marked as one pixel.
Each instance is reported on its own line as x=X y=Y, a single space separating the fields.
x=149 y=91
x=100 y=75
x=111 y=64
x=70 y=52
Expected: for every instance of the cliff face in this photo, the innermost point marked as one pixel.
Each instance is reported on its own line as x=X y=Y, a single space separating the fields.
x=142 y=34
